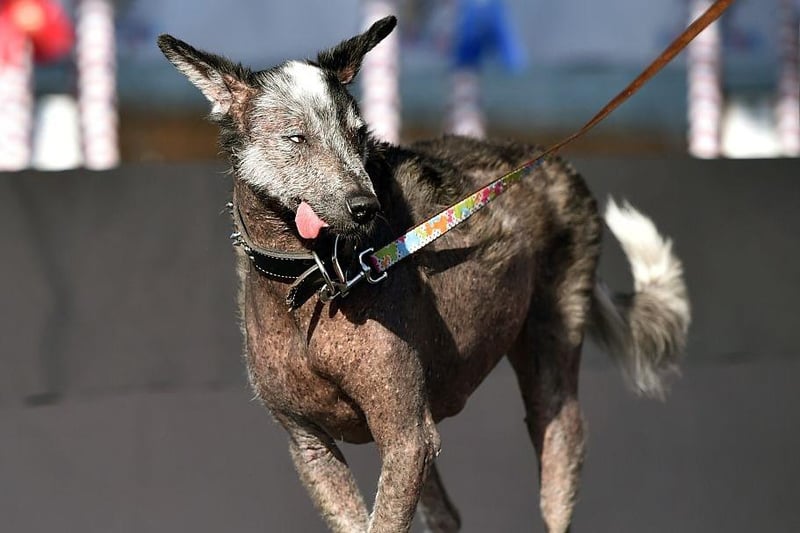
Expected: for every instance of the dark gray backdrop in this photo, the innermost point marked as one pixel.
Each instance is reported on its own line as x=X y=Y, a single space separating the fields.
x=123 y=406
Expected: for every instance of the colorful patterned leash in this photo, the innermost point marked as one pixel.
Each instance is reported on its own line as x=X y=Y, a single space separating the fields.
x=375 y=264
x=433 y=228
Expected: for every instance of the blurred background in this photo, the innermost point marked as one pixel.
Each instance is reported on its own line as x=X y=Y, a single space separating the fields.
x=529 y=69
x=123 y=400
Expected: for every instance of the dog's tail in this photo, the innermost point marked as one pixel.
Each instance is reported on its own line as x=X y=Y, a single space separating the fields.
x=644 y=331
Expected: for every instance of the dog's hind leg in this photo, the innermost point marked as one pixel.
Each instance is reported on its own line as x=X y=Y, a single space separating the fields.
x=546 y=354
x=438 y=513
x=548 y=380
x=327 y=477
x=546 y=358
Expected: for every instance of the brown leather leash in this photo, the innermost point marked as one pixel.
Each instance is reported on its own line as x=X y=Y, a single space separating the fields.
x=675 y=47
x=310 y=273
x=439 y=224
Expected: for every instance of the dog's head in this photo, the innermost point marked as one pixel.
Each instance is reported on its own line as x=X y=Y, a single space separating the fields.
x=294 y=132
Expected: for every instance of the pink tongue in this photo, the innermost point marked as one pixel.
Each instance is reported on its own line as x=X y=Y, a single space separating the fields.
x=307 y=221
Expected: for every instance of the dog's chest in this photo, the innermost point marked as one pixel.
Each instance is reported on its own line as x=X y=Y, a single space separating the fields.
x=454 y=311
x=279 y=364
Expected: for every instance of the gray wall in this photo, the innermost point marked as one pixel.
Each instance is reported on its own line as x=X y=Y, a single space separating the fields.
x=123 y=405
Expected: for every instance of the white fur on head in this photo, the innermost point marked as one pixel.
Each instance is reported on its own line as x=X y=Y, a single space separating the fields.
x=300 y=99
x=295 y=132
x=307 y=80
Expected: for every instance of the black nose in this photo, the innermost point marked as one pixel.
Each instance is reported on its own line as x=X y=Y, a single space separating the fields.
x=362 y=207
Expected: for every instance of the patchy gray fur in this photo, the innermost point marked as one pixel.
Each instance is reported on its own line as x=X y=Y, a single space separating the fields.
x=390 y=361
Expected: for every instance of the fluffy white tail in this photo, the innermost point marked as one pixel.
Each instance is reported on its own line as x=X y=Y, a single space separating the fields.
x=644 y=331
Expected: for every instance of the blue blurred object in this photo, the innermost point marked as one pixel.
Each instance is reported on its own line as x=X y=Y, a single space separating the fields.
x=483 y=27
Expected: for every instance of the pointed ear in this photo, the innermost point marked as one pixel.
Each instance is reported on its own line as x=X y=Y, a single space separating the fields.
x=345 y=59
x=225 y=84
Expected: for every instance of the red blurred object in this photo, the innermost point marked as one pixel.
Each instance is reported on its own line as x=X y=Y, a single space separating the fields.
x=43 y=22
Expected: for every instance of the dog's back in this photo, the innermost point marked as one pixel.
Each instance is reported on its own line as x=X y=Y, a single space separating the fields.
x=534 y=250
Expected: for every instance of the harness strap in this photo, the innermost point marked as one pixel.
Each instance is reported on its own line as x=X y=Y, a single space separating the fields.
x=305 y=286
x=298 y=268
x=273 y=263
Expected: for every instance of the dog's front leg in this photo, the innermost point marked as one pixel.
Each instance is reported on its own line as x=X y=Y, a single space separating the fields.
x=327 y=477
x=405 y=462
x=390 y=389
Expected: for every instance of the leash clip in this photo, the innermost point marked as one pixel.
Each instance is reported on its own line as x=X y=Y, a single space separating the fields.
x=342 y=286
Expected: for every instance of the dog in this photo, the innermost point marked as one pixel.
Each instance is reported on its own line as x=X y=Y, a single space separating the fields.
x=390 y=360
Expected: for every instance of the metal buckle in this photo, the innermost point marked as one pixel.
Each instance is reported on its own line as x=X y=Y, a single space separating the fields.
x=366 y=268
x=337 y=268
x=331 y=289
x=342 y=287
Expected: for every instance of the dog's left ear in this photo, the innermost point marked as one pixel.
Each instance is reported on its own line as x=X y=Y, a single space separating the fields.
x=227 y=85
x=345 y=58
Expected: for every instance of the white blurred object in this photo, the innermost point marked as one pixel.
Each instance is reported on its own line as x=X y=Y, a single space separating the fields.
x=466 y=115
x=380 y=102
x=16 y=109
x=748 y=129
x=787 y=108
x=56 y=134
x=97 y=93
x=705 y=99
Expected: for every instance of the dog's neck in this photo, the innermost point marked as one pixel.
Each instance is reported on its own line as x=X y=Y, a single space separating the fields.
x=267 y=224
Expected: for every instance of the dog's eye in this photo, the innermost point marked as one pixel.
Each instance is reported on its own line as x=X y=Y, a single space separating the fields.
x=297 y=139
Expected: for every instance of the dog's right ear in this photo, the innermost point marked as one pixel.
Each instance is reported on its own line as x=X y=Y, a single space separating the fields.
x=226 y=85
x=345 y=59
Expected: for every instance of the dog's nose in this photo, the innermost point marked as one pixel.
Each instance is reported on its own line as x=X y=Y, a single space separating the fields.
x=362 y=207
